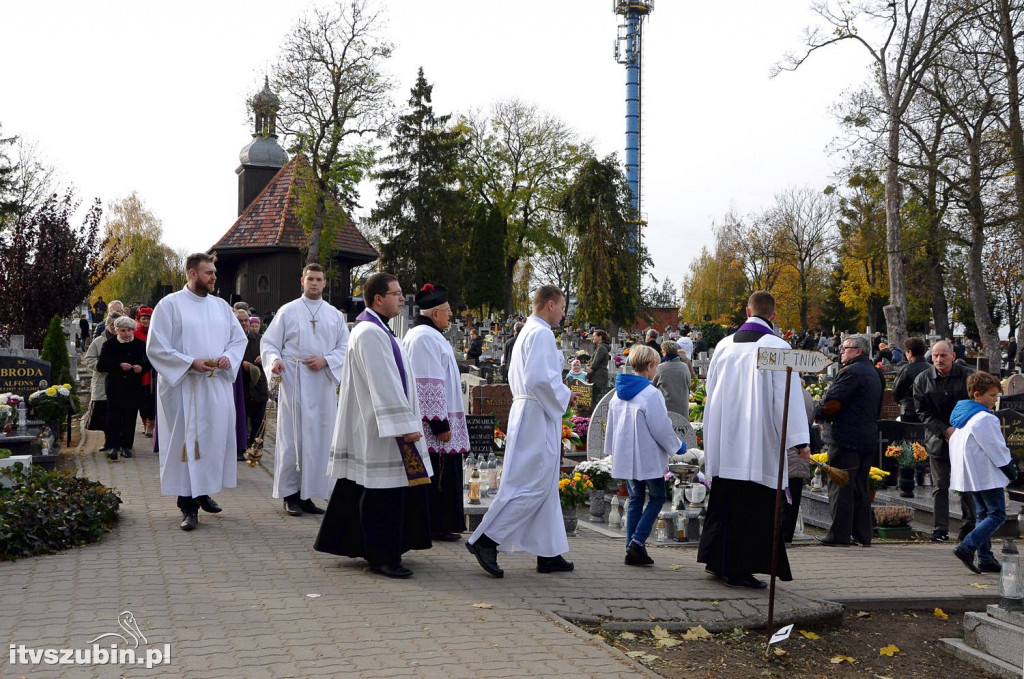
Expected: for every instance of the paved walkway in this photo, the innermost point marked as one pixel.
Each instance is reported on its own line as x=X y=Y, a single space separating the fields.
x=245 y=595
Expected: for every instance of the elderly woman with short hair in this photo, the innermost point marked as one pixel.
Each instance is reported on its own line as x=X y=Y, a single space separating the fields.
x=673 y=379
x=123 y=359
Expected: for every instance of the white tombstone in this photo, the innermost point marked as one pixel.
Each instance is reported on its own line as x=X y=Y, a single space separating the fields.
x=598 y=424
x=1015 y=385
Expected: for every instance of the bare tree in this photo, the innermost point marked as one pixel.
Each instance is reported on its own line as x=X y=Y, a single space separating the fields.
x=912 y=32
x=335 y=101
x=558 y=262
x=804 y=221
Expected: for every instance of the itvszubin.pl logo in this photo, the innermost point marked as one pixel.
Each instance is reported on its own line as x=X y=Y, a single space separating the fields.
x=127 y=652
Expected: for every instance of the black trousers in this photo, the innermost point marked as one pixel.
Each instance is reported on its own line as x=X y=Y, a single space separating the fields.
x=189 y=505
x=122 y=412
x=254 y=413
x=850 y=505
x=940 y=496
x=790 y=511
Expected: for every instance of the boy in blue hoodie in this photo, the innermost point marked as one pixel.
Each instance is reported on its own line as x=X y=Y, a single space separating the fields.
x=639 y=436
x=980 y=463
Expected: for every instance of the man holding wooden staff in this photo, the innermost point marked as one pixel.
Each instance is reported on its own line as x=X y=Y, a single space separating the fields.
x=742 y=423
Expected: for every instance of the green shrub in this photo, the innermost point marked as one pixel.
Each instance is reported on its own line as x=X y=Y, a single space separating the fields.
x=5 y=453
x=47 y=512
x=713 y=333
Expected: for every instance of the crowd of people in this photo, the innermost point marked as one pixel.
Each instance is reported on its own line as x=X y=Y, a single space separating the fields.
x=376 y=424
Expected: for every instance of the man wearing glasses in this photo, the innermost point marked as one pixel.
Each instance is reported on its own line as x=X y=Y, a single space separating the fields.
x=852 y=405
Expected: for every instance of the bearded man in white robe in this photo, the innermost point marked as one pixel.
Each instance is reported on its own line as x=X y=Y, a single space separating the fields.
x=742 y=429
x=305 y=346
x=378 y=509
x=439 y=392
x=526 y=515
x=196 y=346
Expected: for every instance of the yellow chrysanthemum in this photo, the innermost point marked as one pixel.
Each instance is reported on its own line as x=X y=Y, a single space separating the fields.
x=51 y=391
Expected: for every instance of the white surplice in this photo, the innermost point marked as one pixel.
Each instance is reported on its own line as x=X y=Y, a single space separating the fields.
x=976 y=452
x=438 y=387
x=743 y=413
x=308 y=398
x=639 y=436
x=527 y=514
x=374 y=409
x=195 y=411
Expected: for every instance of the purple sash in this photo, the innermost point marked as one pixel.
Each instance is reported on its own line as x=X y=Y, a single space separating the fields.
x=756 y=327
x=415 y=472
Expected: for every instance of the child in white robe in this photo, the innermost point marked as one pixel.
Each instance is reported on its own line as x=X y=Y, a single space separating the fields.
x=640 y=437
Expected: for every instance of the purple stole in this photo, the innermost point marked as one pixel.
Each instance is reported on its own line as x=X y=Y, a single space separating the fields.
x=415 y=472
x=756 y=327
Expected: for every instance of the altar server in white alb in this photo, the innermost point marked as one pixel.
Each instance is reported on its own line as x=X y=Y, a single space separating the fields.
x=439 y=391
x=196 y=346
x=742 y=429
x=305 y=346
x=378 y=508
x=526 y=515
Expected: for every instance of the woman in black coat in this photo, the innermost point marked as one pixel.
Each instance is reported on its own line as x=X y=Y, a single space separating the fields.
x=123 y=359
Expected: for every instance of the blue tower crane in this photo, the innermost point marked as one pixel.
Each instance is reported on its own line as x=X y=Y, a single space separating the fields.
x=629 y=51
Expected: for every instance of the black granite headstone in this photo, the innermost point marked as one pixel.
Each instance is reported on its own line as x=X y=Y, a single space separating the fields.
x=1012 y=424
x=20 y=375
x=481 y=434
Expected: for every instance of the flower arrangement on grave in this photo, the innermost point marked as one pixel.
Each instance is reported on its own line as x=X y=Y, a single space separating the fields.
x=907 y=454
x=5 y=453
x=697 y=398
x=569 y=438
x=574 y=489
x=598 y=471
x=580 y=425
x=6 y=417
x=893 y=516
x=618 y=360
x=499 y=437
x=817 y=390
x=876 y=478
x=698 y=430
x=52 y=403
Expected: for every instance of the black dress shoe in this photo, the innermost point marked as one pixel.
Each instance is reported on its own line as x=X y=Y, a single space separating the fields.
x=445 y=537
x=209 y=505
x=112 y=454
x=748 y=581
x=487 y=557
x=966 y=556
x=712 y=572
x=989 y=566
x=126 y=452
x=240 y=457
x=292 y=508
x=191 y=521
x=556 y=564
x=391 y=571
x=104 y=449
x=831 y=543
x=310 y=508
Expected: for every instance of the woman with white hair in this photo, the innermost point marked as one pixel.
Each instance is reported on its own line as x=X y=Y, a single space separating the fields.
x=123 y=359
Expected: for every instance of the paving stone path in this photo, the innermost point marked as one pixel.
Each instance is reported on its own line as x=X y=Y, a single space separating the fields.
x=245 y=595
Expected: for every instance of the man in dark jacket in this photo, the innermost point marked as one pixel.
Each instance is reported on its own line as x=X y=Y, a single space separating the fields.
x=903 y=386
x=506 y=359
x=1011 y=352
x=936 y=392
x=852 y=404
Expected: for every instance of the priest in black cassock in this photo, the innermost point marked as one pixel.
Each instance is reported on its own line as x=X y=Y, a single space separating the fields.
x=378 y=509
x=439 y=392
x=742 y=421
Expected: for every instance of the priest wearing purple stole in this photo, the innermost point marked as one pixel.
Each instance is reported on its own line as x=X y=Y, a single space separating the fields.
x=378 y=509
x=742 y=425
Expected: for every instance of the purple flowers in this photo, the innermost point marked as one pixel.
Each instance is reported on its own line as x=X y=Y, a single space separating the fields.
x=580 y=426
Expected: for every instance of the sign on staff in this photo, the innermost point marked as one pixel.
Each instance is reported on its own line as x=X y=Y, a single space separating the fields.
x=799 y=360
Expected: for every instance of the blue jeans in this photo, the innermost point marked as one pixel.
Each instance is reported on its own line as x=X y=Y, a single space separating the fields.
x=639 y=519
x=990 y=512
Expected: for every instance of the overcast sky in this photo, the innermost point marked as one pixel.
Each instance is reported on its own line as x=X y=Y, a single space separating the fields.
x=151 y=97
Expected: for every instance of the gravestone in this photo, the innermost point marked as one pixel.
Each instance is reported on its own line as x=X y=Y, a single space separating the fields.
x=598 y=425
x=1012 y=424
x=1015 y=402
x=583 y=401
x=1014 y=385
x=892 y=431
x=684 y=430
x=890 y=408
x=23 y=375
x=492 y=399
x=481 y=434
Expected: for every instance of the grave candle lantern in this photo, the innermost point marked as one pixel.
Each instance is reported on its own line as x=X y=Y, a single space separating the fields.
x=1011 y=587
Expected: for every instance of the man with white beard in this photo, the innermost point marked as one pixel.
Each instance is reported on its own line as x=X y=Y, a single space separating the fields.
x=305 y=346
x=196 y=345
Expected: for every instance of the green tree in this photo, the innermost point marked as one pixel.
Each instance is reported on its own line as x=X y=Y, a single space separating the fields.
x=597 y=203
x=55 y=351
x=486 y=256
x=423 y=210
x=521 y=162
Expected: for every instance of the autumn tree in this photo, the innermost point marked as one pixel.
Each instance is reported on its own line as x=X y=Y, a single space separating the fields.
x=335 y=100
x=142 y=262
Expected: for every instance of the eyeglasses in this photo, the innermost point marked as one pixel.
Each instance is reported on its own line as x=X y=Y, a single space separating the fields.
x=852 y=346
x=396 y=293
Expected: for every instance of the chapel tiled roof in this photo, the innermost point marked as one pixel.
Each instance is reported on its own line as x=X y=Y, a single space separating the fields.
x=270 y=220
